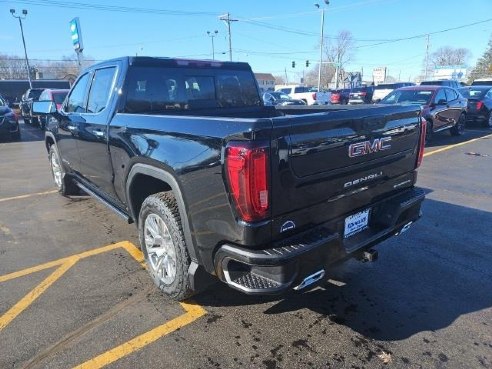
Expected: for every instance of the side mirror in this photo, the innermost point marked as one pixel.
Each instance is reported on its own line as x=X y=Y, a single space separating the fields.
x=43 y=107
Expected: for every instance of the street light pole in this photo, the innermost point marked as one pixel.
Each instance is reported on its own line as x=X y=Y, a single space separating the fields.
x=20 y=18
x=327 y=2
x=212 y=35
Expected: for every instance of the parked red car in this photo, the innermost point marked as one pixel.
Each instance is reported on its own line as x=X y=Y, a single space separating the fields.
x=442 y=107
x=56 y=96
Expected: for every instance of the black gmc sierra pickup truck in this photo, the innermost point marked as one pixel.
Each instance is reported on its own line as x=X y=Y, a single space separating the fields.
x=219 y=185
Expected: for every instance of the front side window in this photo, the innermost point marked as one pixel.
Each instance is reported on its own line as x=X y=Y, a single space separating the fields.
x=76 y=99
x=45 y=96
x=100 y=89
x=451 y=95
x=440 y=96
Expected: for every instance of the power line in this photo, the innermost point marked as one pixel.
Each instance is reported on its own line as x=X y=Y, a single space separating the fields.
x=114 y=8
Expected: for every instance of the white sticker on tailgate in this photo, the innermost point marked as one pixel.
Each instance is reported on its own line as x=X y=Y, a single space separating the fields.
x=356 y=223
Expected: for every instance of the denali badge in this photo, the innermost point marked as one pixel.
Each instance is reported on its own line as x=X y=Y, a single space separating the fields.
x=361 y=180
x=368 y=147
x=288 y=225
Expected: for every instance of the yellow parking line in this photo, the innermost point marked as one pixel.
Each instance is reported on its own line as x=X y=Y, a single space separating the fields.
x=27 y=196
x=455 y=145
x=28 y=299
x=193 y=312
x=54 y=263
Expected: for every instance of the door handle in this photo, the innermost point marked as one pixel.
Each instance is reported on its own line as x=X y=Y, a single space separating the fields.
x=98 y=133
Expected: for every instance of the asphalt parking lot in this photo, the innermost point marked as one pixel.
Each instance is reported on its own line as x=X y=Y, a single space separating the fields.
x=73 y=291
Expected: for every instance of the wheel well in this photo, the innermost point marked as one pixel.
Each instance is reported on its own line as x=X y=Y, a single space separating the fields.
x=49 y=142
x=143 y=186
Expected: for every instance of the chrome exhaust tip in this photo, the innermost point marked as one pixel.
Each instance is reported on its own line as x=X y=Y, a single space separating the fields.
x=309 y=280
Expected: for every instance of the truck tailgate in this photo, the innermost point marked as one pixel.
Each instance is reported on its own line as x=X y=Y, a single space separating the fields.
x=344 y=159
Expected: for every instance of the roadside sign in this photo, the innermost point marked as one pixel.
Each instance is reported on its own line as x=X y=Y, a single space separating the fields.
x=76 y=33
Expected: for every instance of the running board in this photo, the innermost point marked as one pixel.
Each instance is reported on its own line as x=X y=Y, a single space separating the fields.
x=121 y=213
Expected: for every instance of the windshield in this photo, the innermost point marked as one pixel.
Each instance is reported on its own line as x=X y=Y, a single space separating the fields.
x=420 y=97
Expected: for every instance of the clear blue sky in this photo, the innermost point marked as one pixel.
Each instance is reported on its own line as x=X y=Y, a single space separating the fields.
x=268 y=34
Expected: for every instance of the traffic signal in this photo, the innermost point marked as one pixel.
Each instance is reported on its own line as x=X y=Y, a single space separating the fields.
x=307 y=63
x=293 y=64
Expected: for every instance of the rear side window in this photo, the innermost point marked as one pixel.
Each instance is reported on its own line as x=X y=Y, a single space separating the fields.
x=300 y=89
x=441 y=95
x=100 y=89
x=76 y=99
x=164 y=89
x=285 y=90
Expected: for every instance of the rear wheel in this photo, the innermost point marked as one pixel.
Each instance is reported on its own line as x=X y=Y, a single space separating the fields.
x=65 y=185
x=459 y=127
x=488 y=122
x=164 y=246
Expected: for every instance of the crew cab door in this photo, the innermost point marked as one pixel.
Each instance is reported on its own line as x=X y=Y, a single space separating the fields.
x=95 y=160
x=70 y=118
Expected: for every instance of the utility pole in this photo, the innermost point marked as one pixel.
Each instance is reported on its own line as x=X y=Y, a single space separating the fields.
x=227 y=18
x=327 y=2
x=212 y=35
x=286 y=78
x=20 y=18
x=427 y=57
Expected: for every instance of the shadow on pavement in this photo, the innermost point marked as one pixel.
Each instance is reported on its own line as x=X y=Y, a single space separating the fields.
x=444 y=138
x=424 y=281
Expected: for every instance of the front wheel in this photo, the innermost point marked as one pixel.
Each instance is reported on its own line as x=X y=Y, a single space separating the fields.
x=459 y=127
x=164 y=246
x=65 y=185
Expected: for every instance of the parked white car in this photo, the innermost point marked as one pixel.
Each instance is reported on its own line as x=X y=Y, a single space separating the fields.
x=309 y=95
x=382 y=90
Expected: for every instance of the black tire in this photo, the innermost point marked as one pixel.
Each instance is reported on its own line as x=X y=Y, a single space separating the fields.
x=459 y=127
x=17 y=135
x=488 y=123
x=35 y=121
x=429 y=132
x=163 y=206
x=65 y=186
x=26 y=120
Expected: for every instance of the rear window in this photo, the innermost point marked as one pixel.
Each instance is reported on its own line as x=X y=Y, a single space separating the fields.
x=58 y=97
x=432 y=83
x=34 y=94
x=384 y=86
x=474 y=93
x=161 y=89
x=482 y=83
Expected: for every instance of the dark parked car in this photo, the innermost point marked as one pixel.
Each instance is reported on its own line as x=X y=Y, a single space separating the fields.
x=274 y=98
x=340 y=96
x=442 y=107
x=57 y=96
x=479 y=103
x=482 y=82
x=443 y=82
x=9 y=122
x=28 y=98
x=361 y=95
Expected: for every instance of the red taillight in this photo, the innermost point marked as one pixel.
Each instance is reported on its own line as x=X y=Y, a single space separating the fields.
x=247 y=173
x=479 y=105
x=423 y=131
x=314 y=95
x=363 y=93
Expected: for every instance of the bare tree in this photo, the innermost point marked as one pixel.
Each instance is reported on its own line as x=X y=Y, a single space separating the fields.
x=340 y=51
x=447 y=55
x=280 y=80
x=327 y=73
x=12 y=67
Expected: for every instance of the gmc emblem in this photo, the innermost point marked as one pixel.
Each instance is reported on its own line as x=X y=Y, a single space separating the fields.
x=368 y=147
